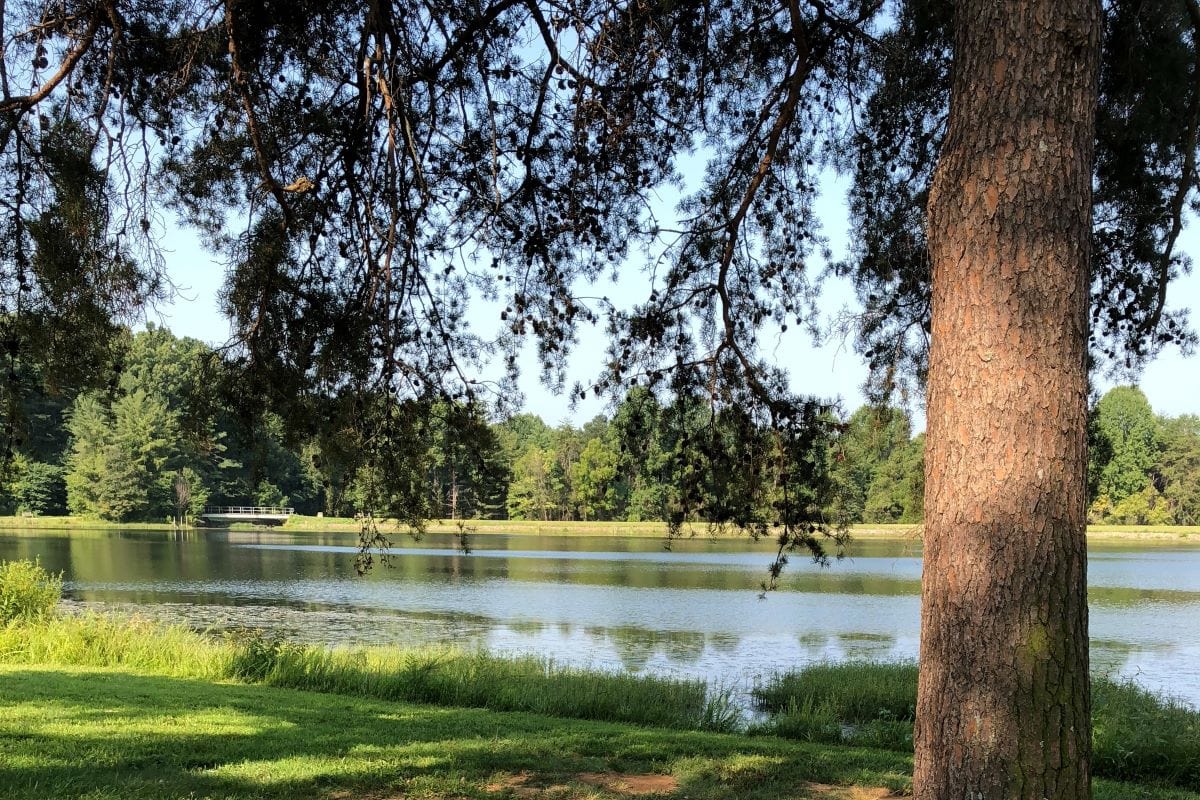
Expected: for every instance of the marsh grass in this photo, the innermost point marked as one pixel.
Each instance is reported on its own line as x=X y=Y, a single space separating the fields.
x=96 y=640
x=1138 y=735
x=441 y=676
x=853 y=691
x=450 y=677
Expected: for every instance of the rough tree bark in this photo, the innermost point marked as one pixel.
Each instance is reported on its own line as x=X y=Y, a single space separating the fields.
x=1003 y=707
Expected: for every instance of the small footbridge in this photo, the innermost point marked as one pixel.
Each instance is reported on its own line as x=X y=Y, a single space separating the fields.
x=255 y=515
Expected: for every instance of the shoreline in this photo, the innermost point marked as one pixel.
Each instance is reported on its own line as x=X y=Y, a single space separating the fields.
x=639 y=530
x=181 y=708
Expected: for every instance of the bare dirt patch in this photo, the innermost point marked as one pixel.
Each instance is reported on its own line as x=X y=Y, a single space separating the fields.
x=632 y=785
x=526 y=787
x=508 y=782
x=824 y=791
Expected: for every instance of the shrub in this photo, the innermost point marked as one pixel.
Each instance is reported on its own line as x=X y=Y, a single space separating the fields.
x=27 y=591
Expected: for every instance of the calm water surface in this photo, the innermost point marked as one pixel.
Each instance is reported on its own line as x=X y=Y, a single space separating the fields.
x=607 y=602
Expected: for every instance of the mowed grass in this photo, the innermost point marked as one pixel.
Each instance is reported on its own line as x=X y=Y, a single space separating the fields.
x=103 y=734
x=88 y=733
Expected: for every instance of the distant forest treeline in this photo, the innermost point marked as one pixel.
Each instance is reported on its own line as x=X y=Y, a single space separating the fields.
x=162 y=441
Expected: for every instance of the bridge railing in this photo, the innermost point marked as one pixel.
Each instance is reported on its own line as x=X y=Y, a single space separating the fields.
x=250 y=511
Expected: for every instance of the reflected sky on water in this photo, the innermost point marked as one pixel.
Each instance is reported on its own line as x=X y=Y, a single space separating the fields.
x=609 y=602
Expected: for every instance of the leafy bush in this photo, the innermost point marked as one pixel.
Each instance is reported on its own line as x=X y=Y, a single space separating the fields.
x=27 y=591
x=37 y=488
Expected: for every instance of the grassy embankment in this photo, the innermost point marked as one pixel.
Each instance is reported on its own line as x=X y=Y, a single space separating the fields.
x=648 y=530
x=109 y=735
x=100 y=708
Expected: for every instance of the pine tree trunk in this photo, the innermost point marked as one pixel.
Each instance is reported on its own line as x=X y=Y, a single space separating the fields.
x=1003 y=708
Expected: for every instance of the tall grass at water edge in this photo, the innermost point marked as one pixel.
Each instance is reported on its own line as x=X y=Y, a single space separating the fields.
x=1137 y=735
x=441 y=676
x=475 y=679
x=34 y=634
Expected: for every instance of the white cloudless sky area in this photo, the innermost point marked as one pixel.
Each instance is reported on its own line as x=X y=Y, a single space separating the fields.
x=833 y=370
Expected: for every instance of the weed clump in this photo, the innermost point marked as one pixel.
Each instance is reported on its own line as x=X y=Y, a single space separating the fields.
x=28 y=593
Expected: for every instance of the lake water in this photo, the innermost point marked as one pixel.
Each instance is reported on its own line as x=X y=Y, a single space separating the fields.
x=607 y=602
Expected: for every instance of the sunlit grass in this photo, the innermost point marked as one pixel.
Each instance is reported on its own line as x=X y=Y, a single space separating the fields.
x=87 y=733
x=444 y=676
x=73 y=733
x=97 y=640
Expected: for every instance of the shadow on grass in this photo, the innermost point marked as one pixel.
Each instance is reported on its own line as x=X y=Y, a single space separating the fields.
x=100 y=734
x=104 y=735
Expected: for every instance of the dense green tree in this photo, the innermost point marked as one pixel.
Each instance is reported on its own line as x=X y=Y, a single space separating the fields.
x=468 y=476
x=34 y=487
x=521 y=432
x=642 y=459
x=90 y=424
x=594 y=475
x=142 y=452
x=897 y=490
x=1179 y=468
x=268 y=494
x=122 y=459
x=530 y=495
x=866 y=441
x=1126 y=423
x=186 y=374
x=188 y=377
x=566 y=446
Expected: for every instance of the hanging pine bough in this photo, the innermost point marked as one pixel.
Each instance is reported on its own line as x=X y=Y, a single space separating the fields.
x=365 y=170
x=1146 y=143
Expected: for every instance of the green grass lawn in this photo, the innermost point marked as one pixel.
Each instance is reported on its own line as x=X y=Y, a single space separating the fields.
x=87 y=733
x=97 y=734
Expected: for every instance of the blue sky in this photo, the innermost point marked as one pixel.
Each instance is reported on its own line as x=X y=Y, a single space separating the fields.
x=1171 y=382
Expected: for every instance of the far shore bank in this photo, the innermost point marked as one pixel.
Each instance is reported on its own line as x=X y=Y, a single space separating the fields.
x=1179 y=534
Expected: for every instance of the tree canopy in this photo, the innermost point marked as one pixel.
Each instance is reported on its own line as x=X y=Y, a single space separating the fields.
x=366 y=170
